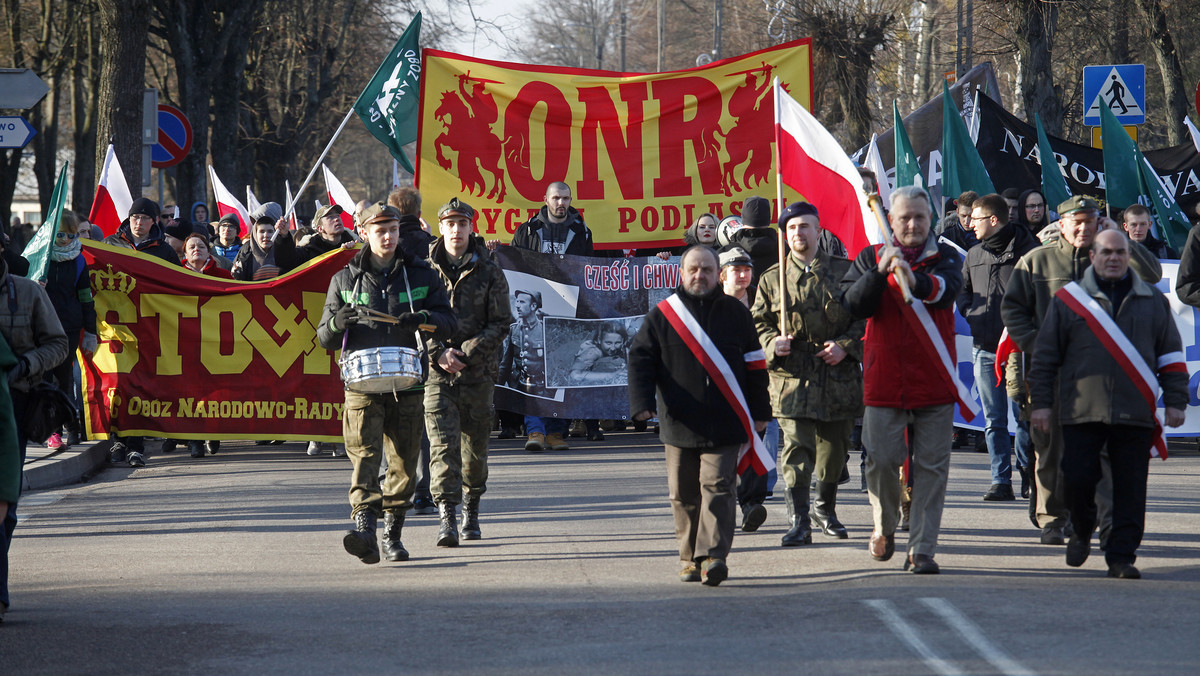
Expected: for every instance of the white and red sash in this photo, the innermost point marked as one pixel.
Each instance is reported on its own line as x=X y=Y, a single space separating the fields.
x=1004 y=348
x=922 y=324
x=714 y=363
x=1117 y=343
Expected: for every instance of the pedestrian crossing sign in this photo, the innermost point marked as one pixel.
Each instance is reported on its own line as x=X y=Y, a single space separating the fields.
x=1122 y=87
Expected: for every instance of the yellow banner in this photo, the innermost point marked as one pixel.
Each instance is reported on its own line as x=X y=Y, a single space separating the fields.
x=644 y=154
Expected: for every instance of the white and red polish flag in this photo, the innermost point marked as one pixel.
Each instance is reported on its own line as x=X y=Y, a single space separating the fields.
x=287 y=187
x=227 y=203
x=113 y=199
x=252 y=202
x=340 y=196
x=809 y=160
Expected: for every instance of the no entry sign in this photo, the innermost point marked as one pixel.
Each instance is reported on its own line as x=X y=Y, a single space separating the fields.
x=174 y=138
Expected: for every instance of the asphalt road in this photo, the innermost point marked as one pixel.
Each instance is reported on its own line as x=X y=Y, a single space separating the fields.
x=233 y=565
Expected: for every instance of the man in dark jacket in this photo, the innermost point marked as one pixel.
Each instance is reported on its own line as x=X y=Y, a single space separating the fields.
x=701 y=429
x=558 y=228
x=1137 y=222
x=141 y=232
x=986 y=272
x=328 y=233
x=903 y=384
x=386 y=280
x=414 y=238
x=757 y=237
x=30 y=328
x=458 y=397
x=1036 y=278
x=1103 y=398
x=270 y=252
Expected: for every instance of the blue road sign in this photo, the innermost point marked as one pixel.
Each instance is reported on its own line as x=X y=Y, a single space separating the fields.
x=1122 y=87
x=15 y=132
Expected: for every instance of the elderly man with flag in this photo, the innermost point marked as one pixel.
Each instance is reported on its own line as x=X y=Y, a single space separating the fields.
x=1107 y=343
x=906 y=291
x=697 y=364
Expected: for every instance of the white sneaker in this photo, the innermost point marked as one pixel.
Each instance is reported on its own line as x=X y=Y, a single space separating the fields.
x=314 y=448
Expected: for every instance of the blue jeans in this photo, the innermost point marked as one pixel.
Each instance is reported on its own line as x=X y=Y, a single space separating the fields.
x=541 y=425
x=995 y=412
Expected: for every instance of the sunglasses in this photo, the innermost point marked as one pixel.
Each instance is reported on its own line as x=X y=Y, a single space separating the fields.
x=66 y=235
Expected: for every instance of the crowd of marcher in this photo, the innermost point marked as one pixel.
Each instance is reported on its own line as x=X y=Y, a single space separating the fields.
x=773 y=334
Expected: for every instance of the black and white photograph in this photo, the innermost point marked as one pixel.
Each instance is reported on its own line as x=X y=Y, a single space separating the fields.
x=588 y=352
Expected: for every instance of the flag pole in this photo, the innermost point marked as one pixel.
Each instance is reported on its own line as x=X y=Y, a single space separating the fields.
x=782 y=236
x=308 y=179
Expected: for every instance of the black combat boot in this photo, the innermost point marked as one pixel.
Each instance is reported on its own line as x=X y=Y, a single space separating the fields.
x=393 y=548
x=470 y=522
x=800 y=532
x=825 y=511
x=361 y=541
x=448 y=529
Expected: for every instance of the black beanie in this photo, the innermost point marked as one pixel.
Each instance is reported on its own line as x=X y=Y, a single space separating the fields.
x=756 y=212
x=146 y=207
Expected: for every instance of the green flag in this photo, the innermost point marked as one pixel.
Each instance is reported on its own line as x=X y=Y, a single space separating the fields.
x=1129 y=178
x=908 y=171
x=1121 y=179
x=962 y=168
x=1054 y=185
x=390 y=104
x=37 y=252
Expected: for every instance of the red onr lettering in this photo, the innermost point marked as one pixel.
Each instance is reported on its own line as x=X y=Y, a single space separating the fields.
x=624 y=153
x=512 y=220
x=556 y=132
x=677 y=98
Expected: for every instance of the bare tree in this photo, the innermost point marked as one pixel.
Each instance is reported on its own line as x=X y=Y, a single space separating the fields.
x=1035 y=24
x=1169 y=68
x=124 y=25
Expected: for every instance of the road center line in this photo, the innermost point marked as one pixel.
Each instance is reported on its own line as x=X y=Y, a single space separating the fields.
x=887 y=612
x=974 y=636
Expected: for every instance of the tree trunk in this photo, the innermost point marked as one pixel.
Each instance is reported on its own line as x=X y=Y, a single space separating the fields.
x=1118 y=18
x=84 y=84
x=1035 y=27
x=124 y=24
x=1174 y=94
x=921 y=79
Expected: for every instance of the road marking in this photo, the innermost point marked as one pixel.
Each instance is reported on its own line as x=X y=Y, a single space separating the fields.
x=974 y=636
x=902 y=630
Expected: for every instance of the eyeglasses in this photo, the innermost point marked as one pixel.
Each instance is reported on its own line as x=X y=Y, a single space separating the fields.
x=981 y=218
x=66 y=235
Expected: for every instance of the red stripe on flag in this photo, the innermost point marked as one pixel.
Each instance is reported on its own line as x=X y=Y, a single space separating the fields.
x=103 y=215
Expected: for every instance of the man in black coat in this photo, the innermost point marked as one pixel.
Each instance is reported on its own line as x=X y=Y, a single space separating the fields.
x=986 y=271
x=701 y=429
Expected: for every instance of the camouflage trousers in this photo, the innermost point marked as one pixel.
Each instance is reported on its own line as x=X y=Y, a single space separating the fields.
x=458 y=419
x=813 y=446
x=377 y=426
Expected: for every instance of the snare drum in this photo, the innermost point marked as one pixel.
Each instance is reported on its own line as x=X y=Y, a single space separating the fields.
x=381 y=369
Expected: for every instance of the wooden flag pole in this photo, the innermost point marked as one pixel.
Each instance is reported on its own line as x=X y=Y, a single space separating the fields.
x=782 y=236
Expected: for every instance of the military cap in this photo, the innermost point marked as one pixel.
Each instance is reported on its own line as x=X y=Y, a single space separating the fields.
x=1078 y=203
x=327 y=210
x=455 y=207
x=735 y=256
x=376 y=213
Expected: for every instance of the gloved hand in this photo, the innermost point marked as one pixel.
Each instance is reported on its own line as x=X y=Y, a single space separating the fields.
x=410 y=321
x=19 y=371
x=90 y=343
x=346 y=316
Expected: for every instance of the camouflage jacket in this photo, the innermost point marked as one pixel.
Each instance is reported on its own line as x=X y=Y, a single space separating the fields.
x=479 y=296
x=803 y=385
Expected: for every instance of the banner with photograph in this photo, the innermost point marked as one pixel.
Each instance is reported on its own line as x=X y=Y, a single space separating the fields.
x=643 y=153
x=197 y=357
x=566 y=354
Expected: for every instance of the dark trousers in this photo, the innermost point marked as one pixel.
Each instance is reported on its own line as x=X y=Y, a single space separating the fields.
x=700 y=484
x=64 y=377
x=20 y=403
x=1129 y=455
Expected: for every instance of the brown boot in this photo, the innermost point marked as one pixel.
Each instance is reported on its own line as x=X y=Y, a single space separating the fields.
x=555 y=442
x=536 y=442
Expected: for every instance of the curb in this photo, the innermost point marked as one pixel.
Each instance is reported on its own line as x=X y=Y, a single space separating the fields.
x=70 y=470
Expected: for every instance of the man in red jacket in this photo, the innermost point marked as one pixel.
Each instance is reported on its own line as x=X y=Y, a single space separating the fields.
x=909 y=380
